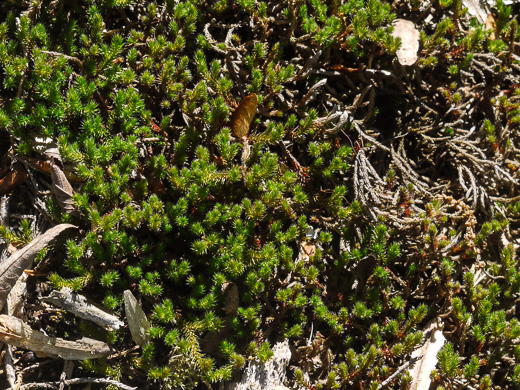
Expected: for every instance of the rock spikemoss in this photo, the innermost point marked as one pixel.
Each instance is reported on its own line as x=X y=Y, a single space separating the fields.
x=359 y=200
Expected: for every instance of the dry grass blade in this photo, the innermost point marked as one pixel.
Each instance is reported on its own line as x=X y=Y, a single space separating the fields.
x=80 y=306
x=137 y=321
x=243 y=116
x=14 y=331
x=12 y=268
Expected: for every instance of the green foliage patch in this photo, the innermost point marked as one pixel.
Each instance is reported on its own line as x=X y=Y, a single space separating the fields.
x=356 y=211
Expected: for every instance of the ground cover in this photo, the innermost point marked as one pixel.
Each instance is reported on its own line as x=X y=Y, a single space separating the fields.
x=259 y=171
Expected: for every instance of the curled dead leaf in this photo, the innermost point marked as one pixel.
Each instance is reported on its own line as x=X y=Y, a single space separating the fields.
x=243 y=116
x=62 y=188
x=405 y=29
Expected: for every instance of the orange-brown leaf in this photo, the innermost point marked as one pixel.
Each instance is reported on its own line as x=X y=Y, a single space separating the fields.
x=13 y=179
x=45 y=166
x=243 y=116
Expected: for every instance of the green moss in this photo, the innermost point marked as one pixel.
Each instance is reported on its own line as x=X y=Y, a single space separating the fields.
x=323 y=248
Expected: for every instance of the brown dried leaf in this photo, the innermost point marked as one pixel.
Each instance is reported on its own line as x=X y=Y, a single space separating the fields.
x=45 y=166
x=243 y=116
x=405 y=29
x=62 y=189
x=13 y=267
x=14 y=331
x=137 y=321
x=13 y=179
x=426 y=364
x=80 y=306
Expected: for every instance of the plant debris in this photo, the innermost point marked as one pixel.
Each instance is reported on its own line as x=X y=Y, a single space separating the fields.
x=12 y=268
x=14 y=331
x=80 y=306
